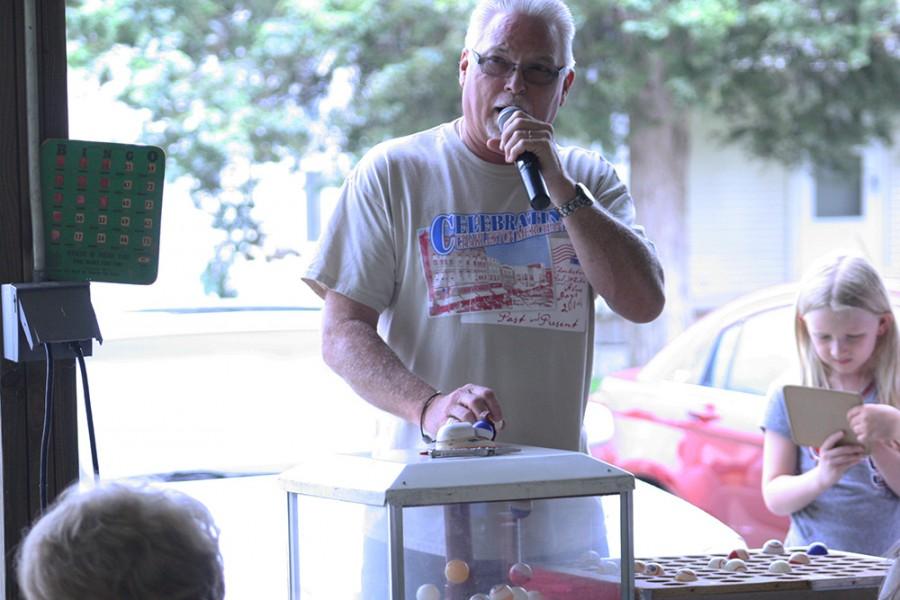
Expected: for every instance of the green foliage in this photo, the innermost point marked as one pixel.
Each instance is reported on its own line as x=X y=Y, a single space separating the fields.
x=233 y=83
x=793 y=79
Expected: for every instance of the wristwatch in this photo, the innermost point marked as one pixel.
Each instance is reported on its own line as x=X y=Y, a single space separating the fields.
x=582 y=198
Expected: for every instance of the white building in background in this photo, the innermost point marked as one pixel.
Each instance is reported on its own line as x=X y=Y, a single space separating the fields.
x=753 y=223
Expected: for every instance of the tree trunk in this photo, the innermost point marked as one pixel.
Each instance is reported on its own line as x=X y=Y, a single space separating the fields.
x=658 y=145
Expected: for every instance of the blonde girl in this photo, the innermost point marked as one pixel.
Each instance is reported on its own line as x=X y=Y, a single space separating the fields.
x=847 y=339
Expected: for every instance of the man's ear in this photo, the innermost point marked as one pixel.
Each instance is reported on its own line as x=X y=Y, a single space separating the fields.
x=567 y=84
x=463 y=66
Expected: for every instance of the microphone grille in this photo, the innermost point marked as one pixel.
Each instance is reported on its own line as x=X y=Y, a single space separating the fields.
x=505 y=114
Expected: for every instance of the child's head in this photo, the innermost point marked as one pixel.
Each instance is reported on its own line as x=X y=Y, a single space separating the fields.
x=844 y=321
x=117 y=541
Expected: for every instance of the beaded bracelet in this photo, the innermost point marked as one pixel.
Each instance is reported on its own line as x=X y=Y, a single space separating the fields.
x=425 y=437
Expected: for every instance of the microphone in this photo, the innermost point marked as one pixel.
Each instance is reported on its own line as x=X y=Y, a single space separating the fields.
x=529 y=168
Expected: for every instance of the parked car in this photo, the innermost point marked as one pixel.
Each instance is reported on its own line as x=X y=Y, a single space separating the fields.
x=689 y=420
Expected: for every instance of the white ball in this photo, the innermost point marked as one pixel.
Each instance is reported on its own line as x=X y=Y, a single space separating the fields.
x=780 y=566
x=454 y=430
x=590 y=559
x=519 y=593
x=736 y=565
x=773 y=547
x=501 y=592
x=535 y=595
x=428 y=591
x=478 y=597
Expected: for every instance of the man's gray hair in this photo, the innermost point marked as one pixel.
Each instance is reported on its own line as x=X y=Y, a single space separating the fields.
x=553 y=12
x=117 y=541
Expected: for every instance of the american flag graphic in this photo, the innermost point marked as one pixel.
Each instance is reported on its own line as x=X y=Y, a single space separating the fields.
x=564 y=253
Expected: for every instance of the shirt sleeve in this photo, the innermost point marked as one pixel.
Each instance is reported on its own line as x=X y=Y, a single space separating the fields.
x=356 y=254
x=776 y=418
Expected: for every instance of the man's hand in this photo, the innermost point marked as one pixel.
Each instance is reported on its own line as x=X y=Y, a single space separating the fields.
x=524 y=133
x=468 y=403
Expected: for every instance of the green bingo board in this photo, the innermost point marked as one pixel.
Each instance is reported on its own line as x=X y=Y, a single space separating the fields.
x=102 y=204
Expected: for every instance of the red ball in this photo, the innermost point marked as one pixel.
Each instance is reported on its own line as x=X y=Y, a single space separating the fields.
x=520 y=574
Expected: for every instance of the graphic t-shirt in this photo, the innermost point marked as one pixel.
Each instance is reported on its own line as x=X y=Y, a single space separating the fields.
x=471 y=284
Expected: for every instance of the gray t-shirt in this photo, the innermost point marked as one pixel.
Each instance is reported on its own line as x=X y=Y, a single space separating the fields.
x=471 y=284
x=859 y=513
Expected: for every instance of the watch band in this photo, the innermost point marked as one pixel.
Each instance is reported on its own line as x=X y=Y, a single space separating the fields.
x=582 y=198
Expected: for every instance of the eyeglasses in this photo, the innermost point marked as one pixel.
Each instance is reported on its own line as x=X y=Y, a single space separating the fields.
x=535 y=73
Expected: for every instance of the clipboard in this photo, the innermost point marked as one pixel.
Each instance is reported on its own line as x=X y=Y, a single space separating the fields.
x=816 y=413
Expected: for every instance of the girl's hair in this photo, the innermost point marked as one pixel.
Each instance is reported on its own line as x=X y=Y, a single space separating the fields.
x=554 y=12
x=846 y=280
x=118 y=542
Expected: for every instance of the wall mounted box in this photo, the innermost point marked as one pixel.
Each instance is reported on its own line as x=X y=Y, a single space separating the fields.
x=51 y=312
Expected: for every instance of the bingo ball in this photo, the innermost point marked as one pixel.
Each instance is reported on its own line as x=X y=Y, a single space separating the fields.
x=780 y=566
x=773 y=547
x=535 y=595
x=608 y=567
x=478 y=597
x=519 y=593
x=736 y=565
x=685 y=575
x=799 y=558
x=640 y=566
x=452 y=431
x=740 y=553
x=456 y=571
x=520 y=574
x=817 y=549
x=501 y=592
x=590 y=559
x=654 y=570
x=485 y=429
x=716 y=562
x=428 y=591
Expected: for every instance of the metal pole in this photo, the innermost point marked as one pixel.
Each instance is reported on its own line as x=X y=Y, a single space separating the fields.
x=395 y=552
x=626 y=526
x=32 y=125
x=293 y=547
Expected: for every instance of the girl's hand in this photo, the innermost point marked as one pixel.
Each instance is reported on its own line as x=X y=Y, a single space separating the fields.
x=834 y=460
x=875 y=423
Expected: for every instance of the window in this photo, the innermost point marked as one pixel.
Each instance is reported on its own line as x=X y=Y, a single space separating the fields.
x=762 y=353
x=838 y=191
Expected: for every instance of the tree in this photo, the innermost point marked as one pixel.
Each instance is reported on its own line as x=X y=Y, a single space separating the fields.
x=793 y=80
x=241 y=82
x=258 y=79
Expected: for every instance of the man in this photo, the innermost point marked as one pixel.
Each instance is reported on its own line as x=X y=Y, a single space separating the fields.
x=446 y=295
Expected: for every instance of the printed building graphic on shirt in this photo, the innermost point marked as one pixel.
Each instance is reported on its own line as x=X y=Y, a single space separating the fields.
x=508 y=269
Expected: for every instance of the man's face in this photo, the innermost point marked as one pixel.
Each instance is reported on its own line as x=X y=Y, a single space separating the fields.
x=520 y=39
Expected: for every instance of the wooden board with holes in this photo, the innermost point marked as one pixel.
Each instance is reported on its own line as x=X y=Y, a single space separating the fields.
x=833 y=571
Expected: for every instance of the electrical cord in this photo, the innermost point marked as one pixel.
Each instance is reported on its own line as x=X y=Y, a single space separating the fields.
x=88 y=413
x=48 y=426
